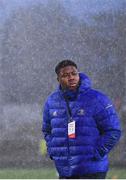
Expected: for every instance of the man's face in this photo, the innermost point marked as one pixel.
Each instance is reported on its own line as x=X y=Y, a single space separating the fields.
x=68 y=77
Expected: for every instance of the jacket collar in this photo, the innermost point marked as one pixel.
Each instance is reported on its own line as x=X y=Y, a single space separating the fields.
x=85 y=83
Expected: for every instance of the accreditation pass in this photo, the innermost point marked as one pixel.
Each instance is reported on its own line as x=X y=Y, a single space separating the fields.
x=71 y=129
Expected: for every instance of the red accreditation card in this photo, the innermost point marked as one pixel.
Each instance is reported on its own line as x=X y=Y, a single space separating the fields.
x=71 y=129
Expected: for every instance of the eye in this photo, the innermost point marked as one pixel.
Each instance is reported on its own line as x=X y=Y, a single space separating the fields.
x=74 y=73
x=65 y=75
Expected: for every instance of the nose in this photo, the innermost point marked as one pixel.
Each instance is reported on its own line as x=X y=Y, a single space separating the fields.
x=70 y=76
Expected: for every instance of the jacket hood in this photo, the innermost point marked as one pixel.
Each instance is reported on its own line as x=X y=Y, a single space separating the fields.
x=85 y=82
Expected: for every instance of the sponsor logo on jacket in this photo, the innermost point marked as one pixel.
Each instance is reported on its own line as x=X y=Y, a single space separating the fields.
x=55 y=113
x=81 y=112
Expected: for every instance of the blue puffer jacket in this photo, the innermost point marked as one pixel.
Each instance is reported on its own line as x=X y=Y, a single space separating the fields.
x=97 y=130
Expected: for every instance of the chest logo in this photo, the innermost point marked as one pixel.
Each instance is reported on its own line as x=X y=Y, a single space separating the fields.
x=55 y=113
x=81 y=112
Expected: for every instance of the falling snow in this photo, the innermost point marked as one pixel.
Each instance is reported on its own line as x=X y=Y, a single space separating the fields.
x=34 y=37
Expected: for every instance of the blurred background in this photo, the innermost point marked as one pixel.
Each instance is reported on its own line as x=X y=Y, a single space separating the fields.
x=34 y=36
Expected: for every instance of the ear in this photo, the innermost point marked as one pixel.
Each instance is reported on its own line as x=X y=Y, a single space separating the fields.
x=57 y=78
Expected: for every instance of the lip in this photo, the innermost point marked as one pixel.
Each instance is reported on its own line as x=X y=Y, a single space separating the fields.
x=72 y=84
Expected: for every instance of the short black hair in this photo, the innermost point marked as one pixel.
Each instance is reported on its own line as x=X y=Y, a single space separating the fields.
x=63 y=64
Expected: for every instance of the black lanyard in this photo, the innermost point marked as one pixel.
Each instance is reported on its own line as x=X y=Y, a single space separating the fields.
x=69 y=113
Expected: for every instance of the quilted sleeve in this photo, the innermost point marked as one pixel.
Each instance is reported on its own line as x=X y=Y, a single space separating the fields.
x=46 y=126
x=108 y=124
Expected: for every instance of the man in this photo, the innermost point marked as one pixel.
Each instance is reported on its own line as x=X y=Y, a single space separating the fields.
x=80 y=126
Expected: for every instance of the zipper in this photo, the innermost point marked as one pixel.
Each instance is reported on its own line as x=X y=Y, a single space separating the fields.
x=69 y=119
x=68 y=145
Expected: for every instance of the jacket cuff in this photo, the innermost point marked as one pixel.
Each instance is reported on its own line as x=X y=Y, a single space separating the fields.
x=51 y=157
